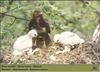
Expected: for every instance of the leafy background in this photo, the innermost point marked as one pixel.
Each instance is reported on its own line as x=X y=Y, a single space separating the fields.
x=61 y=15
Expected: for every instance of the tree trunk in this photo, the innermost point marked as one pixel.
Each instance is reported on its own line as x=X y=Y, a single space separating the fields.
x=96 y=35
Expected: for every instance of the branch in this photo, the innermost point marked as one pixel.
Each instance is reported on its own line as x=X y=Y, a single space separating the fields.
x=96 y=35
x=11 y=10
x=4 y=14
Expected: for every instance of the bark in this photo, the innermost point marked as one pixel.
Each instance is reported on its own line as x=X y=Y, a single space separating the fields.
x=96 y=35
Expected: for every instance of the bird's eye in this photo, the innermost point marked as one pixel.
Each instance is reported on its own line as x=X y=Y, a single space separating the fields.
x=35 y=34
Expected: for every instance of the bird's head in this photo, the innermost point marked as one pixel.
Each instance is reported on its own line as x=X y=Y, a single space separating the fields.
x=33 y=33
x=37 y=13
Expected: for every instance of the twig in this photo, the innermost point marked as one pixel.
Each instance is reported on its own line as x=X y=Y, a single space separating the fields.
x=4 y=14
x=95 y=54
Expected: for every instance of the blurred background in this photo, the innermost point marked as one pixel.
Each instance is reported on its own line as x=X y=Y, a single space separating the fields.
x=80 y=16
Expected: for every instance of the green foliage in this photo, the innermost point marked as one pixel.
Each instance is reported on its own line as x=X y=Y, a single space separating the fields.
x=61 y=15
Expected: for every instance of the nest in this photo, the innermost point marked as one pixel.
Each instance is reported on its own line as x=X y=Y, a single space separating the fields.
x=88 y=53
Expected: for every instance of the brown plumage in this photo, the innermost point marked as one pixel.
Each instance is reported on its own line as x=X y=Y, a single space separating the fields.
x=37 y=22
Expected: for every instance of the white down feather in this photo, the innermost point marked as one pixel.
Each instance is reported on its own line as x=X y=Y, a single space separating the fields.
x=68 y=38
x=24 y=43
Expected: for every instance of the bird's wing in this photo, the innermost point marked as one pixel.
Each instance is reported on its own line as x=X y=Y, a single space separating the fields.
x=22 y=42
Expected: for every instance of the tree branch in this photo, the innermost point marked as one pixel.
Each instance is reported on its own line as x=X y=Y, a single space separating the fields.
x=4 y=14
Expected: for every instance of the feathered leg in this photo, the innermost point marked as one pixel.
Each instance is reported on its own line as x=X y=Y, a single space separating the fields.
x=44 y=44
